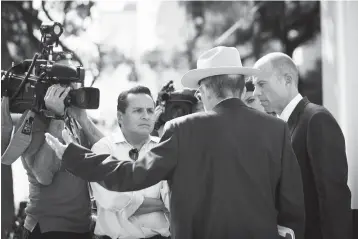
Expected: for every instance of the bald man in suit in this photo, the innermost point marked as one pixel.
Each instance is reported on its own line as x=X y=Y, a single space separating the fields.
x=318 y=143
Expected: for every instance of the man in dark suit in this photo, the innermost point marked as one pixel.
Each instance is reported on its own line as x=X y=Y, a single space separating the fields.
x=318 y=143
x=231 y=170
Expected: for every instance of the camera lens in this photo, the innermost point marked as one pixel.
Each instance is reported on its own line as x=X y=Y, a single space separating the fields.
x=57 y=29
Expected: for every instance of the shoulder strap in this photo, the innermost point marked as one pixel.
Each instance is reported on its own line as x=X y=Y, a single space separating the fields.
x=21 y=138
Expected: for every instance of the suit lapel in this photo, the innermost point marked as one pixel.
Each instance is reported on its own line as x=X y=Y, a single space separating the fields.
x=294 y=117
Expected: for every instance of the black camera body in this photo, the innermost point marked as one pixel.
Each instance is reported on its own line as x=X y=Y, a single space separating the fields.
x=26 y=83
x=176 y=103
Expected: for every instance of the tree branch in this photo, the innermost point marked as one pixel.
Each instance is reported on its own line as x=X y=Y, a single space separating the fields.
x=45 y=11
x=99 y=65
x=65 y=48
x=245 y=34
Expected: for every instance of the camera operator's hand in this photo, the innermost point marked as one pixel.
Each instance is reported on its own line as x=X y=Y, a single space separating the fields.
x=159 y=110
x=6 y=121
x=56 y=145
x=54 y=99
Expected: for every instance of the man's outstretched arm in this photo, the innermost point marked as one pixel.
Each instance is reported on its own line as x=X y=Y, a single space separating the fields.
x=116 y=175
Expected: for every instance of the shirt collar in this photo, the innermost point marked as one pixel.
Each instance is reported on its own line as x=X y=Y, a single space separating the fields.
x=287 y=111
x=118 y=137
x=229 y=98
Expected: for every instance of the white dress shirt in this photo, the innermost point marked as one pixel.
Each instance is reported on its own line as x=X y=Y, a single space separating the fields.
x=287 y=111
x=115 y=209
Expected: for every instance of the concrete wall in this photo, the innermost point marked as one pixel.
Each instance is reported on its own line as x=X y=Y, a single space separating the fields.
x=339 y=26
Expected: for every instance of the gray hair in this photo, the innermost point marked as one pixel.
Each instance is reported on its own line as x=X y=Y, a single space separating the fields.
x=224 y=86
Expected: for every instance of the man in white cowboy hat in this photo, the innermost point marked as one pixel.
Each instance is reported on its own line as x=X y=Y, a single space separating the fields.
x=231 y=170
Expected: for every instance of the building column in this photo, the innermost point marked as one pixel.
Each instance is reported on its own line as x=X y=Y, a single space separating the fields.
x=339 y=24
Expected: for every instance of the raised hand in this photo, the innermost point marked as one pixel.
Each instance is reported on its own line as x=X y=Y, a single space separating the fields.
x=67 y=136
x=56 y=145
x=158 y=111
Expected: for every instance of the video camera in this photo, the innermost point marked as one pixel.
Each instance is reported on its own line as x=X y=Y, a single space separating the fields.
x=27 y=82
x=176 y=103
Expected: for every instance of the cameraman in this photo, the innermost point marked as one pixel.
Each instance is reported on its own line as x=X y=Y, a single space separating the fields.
x=59 y=203
x=174 y=104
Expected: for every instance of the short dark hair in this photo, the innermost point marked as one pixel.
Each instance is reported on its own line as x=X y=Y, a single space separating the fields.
x=221 y=84
x=122 y=102
x=250 y=87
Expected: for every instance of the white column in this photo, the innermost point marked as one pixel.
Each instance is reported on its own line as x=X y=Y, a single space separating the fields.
x=339 y=26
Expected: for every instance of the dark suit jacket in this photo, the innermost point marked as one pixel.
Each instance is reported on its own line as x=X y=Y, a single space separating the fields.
x=232 y=174
x=319 y=145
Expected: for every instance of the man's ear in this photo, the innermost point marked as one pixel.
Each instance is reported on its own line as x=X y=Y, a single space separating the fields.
x=119 y=117
x=206 y=92
x=288 y=79
x=243 y=93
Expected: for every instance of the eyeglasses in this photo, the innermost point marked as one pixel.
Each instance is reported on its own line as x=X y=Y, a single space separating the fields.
x=197 y=93
x=133 y=154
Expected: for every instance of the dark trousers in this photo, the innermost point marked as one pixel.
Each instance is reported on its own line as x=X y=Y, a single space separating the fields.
x=36 y=234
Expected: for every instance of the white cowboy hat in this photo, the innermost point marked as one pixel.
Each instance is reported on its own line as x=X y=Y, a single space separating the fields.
x=220 y=60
